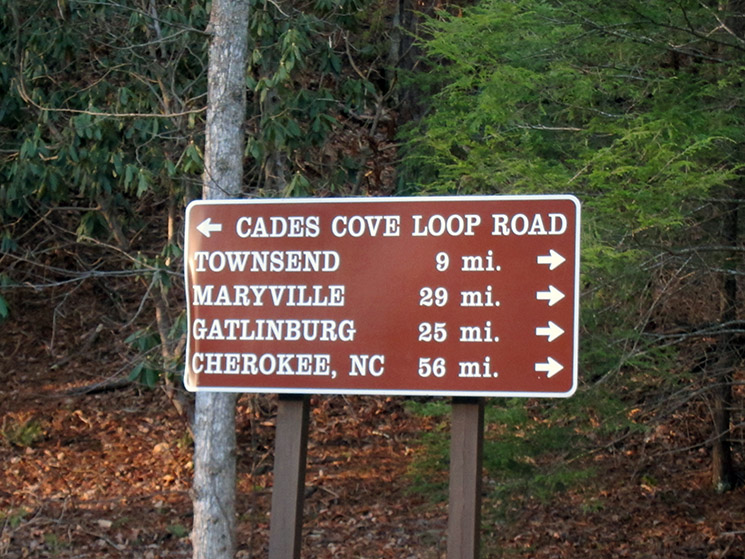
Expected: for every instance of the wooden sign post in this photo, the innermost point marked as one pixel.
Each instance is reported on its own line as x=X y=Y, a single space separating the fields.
x=467 y=297
x=290 y=450
x=466 y=452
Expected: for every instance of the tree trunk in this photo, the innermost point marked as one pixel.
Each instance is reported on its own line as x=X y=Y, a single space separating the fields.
x=213 y=535
x=722 y=467
x=723 y=475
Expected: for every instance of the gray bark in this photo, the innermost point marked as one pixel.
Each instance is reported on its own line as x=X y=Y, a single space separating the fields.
x=213 y=534
x=226 y=102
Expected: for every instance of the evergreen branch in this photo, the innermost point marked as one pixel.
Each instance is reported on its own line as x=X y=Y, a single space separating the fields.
x=691 y=30
x=74 y=276
x=36 y=105
x=21 y=86
x=701 y=331
x=146 y=14
x=551 y=128
x=705 y=248
x=641 y=39
x=159 y=41
x=722 y=200
x=81 y=277
x=723 y=25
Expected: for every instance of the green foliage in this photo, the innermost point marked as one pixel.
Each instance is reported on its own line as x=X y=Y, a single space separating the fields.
x=146 y=370
x=70 y=74
x=100 y=114
x=537 y=97
x=54 y=543
x=428 y=472
x=301 y=89
x=4 y=310
x=178 y=530
x=629 y=105
x=13 y=517
x=593 y=99
x=5 y=281
x=102 y=108
x=521 y=437
x=22 y=434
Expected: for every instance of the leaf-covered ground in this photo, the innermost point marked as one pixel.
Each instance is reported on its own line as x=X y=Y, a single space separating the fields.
x=106 y=473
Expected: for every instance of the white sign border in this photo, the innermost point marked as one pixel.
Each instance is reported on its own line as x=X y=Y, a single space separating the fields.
x=396 y=199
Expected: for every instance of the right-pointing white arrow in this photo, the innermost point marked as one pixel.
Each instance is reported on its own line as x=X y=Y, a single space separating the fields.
x=551 y=367
x=552 y=331
x=553 y=259
x=553 y=295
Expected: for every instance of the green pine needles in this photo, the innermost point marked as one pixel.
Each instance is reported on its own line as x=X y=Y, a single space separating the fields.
x=634 y=107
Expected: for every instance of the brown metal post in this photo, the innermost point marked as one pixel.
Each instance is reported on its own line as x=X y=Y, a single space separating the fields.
x=290 y=449
x=466 y=451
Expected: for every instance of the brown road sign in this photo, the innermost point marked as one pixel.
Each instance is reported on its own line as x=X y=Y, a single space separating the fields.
x=459 y=296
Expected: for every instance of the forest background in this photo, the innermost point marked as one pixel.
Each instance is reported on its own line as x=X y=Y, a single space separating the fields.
x=635 y=107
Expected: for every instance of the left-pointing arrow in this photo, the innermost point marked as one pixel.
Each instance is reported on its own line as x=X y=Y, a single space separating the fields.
x=552 y=331
x=206 y=228
x=550 y=367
